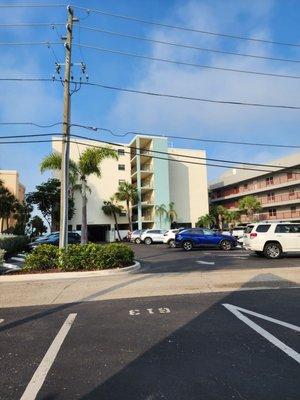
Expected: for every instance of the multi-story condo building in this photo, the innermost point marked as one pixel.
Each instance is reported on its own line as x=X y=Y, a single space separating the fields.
x=278 y=191
x=11 y=181
x=161 y=175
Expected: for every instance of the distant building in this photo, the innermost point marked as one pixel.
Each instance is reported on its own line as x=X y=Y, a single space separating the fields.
x=11 y=181
x=147 y=163
x=278 y=192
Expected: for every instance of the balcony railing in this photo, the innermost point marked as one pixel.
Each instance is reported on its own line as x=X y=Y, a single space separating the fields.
x=279 y=197
x=263 y=184
x=279 y=215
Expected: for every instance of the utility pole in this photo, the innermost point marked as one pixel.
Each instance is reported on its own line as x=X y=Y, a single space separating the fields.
x=63 y=227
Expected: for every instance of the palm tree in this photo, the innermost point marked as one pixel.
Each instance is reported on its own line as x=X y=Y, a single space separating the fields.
x=206 y=221
x=249 y=205
x=161 y=211
x=220 y=214
x=128 y=193
x=232 y=217
x=88 y=164
x=8 y=204
x=171 y=213
x=112 y=209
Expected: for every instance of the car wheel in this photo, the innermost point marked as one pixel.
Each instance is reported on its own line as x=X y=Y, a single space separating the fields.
x=148 y=241
x=171 y=243
x=272 y=250
x=259 y=253
x=226 y=245
x=187 y=245
x=138 y=240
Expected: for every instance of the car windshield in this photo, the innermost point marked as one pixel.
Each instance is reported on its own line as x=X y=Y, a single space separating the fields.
x=249 y=228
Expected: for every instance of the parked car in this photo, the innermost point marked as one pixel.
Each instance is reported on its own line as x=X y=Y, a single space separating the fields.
x=53 y=239
x=238 y=232
x=198 y=237
x=169 y=237
x=135 y=237
x=150 y=236
x=272 y=239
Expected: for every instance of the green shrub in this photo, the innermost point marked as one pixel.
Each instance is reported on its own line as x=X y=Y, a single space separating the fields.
x=80 y=257
x=12 y=244
x=43 y=257
x=2 y=252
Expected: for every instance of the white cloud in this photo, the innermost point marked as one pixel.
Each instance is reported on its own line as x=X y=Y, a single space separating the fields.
x=186 y=118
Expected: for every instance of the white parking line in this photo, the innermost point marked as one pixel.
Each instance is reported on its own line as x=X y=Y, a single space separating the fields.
x=237 y=311
x=41 y=372
x=206 y=262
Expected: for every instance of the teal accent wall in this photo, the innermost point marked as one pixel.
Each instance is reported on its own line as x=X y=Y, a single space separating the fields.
x=138 y=168
x=161 y=180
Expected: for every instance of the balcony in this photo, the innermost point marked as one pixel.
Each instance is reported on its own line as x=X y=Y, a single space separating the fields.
x=279 y=216
x=255 y=188
x=280 y=198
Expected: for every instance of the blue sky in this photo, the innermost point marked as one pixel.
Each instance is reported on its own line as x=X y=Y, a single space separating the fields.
x=42 y=103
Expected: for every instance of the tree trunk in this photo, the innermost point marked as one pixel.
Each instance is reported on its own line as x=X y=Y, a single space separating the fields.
x=117 y=226
x=129 y=216
x=84 y=237
x=2 y=224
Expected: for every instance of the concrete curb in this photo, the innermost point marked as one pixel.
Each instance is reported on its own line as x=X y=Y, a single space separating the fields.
x=70 y=275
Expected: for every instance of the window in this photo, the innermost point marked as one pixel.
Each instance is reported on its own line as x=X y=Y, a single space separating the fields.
x=272 y=212
x=269 y=181
x=208 y=232
x=121 y=152
x=287 y=228
x=121 y=181
x=289 y=175
x=291 y=192
x=122 y=214
x=271 y=196
x=263 y=228
x=245 y=186
x=121 y=167
x=249 y=228
x=293 y=209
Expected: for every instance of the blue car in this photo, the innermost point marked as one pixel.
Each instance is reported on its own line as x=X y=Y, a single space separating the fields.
x=198 y=237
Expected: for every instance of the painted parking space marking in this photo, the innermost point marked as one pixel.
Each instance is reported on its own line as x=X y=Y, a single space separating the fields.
x=150 y=311
x=206 y=262
x=239 y=313
x=41 y=372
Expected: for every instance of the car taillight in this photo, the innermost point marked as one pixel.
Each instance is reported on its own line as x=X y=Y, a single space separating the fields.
x=253 y=235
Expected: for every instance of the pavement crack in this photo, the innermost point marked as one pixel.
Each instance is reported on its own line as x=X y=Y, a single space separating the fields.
x=61 y=292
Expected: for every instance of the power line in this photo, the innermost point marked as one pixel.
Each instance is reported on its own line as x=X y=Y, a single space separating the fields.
x=196 y=139
x=155 y=94
x=127 y=152
x=31 y=5
x=170 y=61
x=32 y=24
x=29 y=43
x=150 y=151
x=186 y=46
x=184 y=28
x=188 y=138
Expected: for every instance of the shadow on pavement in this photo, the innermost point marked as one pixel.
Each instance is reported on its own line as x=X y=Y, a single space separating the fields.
x=214 y=356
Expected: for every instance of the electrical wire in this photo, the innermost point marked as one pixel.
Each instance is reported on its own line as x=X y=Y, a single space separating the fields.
x=150 y=151
x=156 y=94
x=196 y=139
x=186 y=46
x=183 y=28
x=94 y=128
x=32 y=24
x=32 y=5
x=29 y=43
x=170 y=61
x=127 y=152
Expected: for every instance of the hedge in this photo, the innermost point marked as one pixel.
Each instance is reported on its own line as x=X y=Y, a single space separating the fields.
x=12 y=244
x=79 y=257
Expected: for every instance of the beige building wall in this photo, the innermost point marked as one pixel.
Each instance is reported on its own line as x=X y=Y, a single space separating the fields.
x=101 y=188
x=188 y=184
x=11 y=181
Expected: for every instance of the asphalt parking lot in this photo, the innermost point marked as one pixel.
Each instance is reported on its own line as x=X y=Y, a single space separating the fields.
x=170 y=347
x=159 y=258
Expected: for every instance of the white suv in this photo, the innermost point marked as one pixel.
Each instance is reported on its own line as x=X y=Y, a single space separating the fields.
x=169 y=237
x=271 y=239
x=150 y=236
